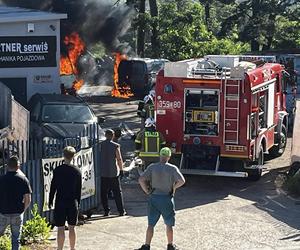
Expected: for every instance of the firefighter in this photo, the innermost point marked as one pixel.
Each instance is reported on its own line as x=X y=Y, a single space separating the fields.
x=152 y=93
x=149 y=106
x=146 y=108
x=148 y=142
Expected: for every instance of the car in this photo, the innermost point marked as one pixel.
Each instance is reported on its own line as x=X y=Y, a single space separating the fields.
x=140 y=74
x=63 y=119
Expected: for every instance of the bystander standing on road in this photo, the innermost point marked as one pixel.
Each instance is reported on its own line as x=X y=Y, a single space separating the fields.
x=160 y=181
x=15 y=197
x=66 y=184
x=111 y=169
x=117 y=134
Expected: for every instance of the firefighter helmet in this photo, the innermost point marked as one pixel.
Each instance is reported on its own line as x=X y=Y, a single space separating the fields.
x=148 y=98
x=149 y=122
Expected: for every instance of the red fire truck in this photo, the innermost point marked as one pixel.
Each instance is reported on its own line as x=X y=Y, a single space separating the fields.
x=221 y=114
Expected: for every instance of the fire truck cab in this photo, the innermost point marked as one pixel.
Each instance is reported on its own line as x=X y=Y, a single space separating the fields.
x=221 y=114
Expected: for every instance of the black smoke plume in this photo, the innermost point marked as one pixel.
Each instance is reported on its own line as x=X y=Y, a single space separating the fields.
x=95 y=20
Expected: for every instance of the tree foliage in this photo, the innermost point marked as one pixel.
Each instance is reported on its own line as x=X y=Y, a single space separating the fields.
x=188 y=28
x=183 y=33
x=260 y=21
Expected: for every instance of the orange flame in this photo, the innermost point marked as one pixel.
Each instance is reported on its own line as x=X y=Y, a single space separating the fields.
x=118 y=91
x=68 y=64
x=77 y=84
x=75 y=48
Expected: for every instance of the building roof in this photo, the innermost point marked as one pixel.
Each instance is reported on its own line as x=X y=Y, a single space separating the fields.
x=16 y=14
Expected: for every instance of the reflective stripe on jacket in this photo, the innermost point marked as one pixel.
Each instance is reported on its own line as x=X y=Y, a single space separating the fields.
x=151 y=142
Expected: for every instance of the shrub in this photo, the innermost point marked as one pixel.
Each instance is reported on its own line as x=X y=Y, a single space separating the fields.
x=5 y=242
x=35 y=230
x=293 y=185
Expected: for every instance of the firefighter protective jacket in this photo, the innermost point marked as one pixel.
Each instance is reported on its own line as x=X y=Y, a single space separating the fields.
x=149 y=143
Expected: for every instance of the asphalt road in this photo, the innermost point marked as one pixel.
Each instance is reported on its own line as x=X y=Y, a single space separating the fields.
x=212 y=212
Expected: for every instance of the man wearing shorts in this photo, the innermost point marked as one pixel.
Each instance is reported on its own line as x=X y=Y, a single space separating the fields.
x=66 y=183
x=160 y=181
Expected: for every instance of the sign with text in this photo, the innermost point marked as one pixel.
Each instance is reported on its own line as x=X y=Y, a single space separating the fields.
x=30 y=51
x=42 y=79
x=84 y=161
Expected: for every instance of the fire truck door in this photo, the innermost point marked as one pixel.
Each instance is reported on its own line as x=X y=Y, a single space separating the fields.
x=271 y=97
x=254 y=121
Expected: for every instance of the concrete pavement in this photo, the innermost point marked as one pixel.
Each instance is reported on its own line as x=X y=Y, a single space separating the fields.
x=213 y=213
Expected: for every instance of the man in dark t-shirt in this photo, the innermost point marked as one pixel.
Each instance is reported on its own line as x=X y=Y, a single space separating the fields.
x=15 y=198
x=66 y=183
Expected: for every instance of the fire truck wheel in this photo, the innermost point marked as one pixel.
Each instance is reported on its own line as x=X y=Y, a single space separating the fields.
x=279 y=149
x=255 y=174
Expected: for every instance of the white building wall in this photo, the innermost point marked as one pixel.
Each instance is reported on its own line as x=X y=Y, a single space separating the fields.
x=41 y=28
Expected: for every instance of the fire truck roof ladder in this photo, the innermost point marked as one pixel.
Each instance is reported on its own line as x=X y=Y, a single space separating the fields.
x=231 y=111
x=207 y=69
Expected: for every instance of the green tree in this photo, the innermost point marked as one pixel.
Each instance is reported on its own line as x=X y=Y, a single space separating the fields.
x=183 y=33
x=287 y=34
x=146 y=24
x=154 y=28
x=259 y=20
x=214 y=11
x=141 y=24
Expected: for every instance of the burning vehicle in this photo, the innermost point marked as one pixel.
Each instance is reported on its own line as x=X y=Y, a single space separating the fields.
x=85 y=24
x=139 y=74
x=71 y=82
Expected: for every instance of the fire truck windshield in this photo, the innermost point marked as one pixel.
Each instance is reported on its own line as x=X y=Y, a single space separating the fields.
x=201 y=112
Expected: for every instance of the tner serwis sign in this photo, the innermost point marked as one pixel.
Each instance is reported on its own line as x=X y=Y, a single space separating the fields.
x=31 y=51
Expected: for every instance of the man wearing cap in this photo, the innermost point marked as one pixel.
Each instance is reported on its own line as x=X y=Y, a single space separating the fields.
x=111 y=169
x=160 y=181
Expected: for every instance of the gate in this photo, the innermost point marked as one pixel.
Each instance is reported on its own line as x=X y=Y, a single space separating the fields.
x=31 y=154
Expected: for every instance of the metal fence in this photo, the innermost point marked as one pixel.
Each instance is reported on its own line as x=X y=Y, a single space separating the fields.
x=5 y=104
x=31 y=154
